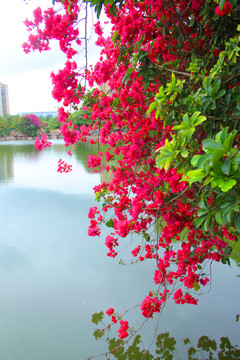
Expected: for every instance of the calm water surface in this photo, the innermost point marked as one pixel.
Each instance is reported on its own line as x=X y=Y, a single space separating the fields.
x=53 y=277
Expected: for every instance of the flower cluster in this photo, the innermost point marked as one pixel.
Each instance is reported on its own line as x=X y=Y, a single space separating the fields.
x=42 y=143
x=150 y=305
x=186 y=299
x=111 y=242
x=123 y=329
x=110 y=312
x=225 y=10
x=63 y=166
x=34 y=120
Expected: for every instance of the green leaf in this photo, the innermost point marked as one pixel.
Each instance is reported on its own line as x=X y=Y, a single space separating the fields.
x=217 y=165
x=69 y=9
x=110 y=223
x=202 y=204
x=191 y=351
x=217 y=181
x=228 y=185
x=203 y=160
x=187 y=134
x=207 y=224
x=226 y=166
x=184 y=125
x=184 y=153
x=200 y=119
x=235 y=207
x=98 y=334
x=203 y=211
x=207 y=180
x=218 y=217
x=186 y=119
x=228 y=250
x=236 y=159
x=164 y=161
x=237 y=222
x=228 y=142
x=215 y=88
x=166 y=152
x=194 y=117
x=152 y=107
x=127 y=75
x=113 y=10
x=220 y=94
x=97 y=317
x=195 y=175
x=158 y=112
x=209 y=145
x=222 y=135
x=196 y=286
x=195 y=160
x=200 y=220
x=98 y=196
x=226 y=204
x=98 y=8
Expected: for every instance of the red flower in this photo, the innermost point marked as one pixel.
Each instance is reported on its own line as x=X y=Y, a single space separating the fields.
x=42 y=143
x=110 y=311
x=226 y=9
x=216 y=52
x=123 y=329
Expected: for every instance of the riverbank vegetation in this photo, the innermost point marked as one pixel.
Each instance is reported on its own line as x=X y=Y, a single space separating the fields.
x=170 y=120
x=29 y=125
x=32 y=126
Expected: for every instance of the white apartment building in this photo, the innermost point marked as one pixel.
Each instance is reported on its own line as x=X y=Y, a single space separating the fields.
x=4 y=103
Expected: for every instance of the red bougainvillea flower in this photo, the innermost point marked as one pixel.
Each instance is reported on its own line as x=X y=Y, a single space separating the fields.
x=63 y=166
x=123 y=329
x=226 y=9
x=110 y=311
x=42 y=143
x=216 y=52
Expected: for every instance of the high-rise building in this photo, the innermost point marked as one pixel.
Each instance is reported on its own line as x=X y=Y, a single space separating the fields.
x=4 y=103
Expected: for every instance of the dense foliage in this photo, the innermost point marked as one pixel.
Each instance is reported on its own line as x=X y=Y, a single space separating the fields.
x=167 y=347
x=28 y=125
x=50 y=123
x=9 y=123
x=170 y=122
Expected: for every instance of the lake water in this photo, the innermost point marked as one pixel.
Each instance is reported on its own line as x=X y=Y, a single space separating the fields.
x=53 y=277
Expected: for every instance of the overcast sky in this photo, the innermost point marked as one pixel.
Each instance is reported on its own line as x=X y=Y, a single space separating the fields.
x=27 y=76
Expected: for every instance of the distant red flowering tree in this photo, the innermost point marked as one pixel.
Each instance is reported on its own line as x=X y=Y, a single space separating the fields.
x=170 y=122
x=30 y=125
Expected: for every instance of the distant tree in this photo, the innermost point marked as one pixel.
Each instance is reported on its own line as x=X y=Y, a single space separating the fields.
x=9 y=123
x=30 y=125
x=51 y=123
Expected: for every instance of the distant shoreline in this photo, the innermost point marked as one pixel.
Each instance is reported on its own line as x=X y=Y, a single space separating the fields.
x=14 y=138
x=30 y=138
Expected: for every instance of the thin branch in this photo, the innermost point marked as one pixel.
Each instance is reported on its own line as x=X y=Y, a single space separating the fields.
x=86 y=47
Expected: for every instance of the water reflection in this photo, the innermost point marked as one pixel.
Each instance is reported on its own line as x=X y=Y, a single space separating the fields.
x=167 y=348
x=12 y=258
x=22 y=165
x=53 y=277
x=6 y=164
